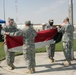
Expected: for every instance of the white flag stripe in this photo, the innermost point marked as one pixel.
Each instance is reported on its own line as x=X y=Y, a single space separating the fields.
x=37 y=45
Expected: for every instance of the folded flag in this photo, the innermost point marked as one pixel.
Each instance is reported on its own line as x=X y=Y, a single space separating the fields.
x=43 y=38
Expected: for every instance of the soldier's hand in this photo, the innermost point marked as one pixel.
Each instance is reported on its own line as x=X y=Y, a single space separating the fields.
x=6 y=33
x=60 y=26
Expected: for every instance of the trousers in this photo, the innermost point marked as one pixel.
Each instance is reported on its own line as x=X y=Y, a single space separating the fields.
x=9 y=56
x=29 y=56
x=50 y=50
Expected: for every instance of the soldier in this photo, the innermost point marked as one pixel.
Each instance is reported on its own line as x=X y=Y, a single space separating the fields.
x=29 y=35
x=50 y=48
x=67 y=29
x=9 y=30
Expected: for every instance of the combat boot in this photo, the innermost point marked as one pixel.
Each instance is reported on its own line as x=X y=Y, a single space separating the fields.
x=33 y=70
x=11 y=67
x=29 y=71
x=52 y=59
x=67 y=63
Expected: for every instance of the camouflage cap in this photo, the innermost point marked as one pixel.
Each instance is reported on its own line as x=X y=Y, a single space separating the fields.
x=66 y=19
x=28 y=22
x=10 y=19
x=51 y=20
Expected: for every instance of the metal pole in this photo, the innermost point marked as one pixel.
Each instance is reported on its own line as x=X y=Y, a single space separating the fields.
x=16 y=5
x=71 y=22
x=71 y=11
x=4 y=8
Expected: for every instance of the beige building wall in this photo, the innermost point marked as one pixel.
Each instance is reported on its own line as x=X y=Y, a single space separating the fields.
x=38 y=27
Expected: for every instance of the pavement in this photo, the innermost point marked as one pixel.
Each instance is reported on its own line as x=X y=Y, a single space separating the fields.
x=43 y=66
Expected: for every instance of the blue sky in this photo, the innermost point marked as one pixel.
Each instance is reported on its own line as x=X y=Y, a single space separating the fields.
x=38 y=11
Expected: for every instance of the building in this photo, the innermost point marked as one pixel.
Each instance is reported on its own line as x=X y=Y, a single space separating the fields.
x=37 y=27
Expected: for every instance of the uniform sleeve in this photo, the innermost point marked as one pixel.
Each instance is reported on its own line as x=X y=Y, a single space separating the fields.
x=11 y=33
x=3 y=31
x=19 y=33
x=14 y=33
x=35 y=33
x=61 y=30
x=69 y=28
x=45 y=27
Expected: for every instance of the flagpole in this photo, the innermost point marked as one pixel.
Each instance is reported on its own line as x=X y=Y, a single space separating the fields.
x=71 y=11
x=4 y=8
x=71 y=22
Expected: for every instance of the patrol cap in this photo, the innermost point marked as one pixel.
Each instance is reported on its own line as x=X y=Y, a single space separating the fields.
x=51 y=20
x=10 y=19
x=66 y=19
x=28 y=23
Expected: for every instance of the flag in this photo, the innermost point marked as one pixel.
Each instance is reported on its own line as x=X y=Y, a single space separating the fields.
x=43 y=38
x=14 y=41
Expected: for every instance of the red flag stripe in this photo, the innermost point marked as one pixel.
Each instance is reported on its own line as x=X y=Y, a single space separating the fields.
x=45 y=35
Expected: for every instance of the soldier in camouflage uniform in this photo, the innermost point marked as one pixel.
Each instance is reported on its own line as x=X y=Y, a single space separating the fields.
x=29 y=35
x=50 y=48
x=9 y=30
x=67 y=39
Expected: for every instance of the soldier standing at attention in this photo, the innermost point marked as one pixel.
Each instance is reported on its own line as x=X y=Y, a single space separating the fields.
x=67 y=30
x=9 y=30
x=29 y=35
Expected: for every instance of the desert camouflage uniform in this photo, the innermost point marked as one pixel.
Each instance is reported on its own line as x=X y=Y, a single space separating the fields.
x=29 y=35
x=67 y=40
x=9 y=55
x=50 y=48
